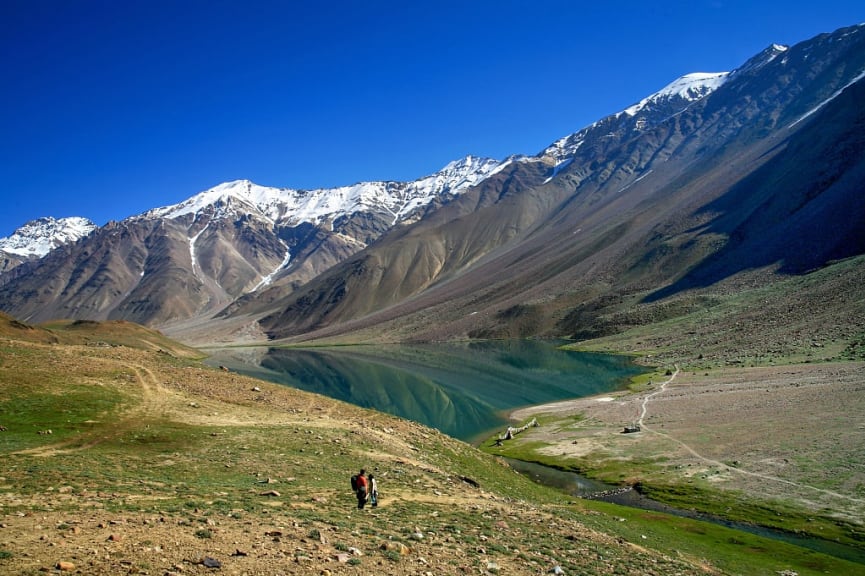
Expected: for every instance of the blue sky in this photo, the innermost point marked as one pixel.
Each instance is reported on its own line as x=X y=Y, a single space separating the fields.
x=109 y=108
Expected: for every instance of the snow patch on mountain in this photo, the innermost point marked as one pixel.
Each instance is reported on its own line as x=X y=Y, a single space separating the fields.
x=689 y=87
x=39 y=237
x=192 y=257
x=268 y=279
x=829 y=99
x=559 y=167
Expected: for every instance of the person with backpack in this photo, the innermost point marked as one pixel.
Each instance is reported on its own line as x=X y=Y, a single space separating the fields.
x=361 y=491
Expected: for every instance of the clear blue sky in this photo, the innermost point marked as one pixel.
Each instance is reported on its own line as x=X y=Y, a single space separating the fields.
x=109 y=108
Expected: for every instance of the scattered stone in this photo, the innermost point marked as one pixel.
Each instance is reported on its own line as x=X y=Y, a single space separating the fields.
x=239 y=552
x=556 y=570
x=209 y=562
x=256 y=389
x=270 y=493
x=354 y=551
x=391 y=546
x=342 y=558
x=115 y=538
x=64 y=566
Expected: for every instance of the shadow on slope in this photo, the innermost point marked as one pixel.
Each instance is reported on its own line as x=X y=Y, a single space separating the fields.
x=801 y=210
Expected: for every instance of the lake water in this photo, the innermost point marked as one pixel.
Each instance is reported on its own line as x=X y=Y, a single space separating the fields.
x=463 y=389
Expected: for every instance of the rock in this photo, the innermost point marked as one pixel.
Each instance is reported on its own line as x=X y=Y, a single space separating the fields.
x=556 y=570
x=209 y=562
x=270 y=493
x=342 y=558
x=64 y=566
x=391 y=546
x=354 y=551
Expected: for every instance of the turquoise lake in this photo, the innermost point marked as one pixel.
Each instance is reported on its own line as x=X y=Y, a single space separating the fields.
x=464 y=389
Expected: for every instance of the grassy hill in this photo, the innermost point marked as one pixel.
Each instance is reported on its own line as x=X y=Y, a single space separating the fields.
x=134 y=458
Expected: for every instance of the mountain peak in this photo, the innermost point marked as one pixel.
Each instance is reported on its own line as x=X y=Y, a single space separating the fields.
x=315 y=206
x=761 y=59
x=250 y=196
x=689 y=87
x=669 y=100
x=38 y=237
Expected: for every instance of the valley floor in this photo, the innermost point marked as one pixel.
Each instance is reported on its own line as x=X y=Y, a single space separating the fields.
x=794 y=434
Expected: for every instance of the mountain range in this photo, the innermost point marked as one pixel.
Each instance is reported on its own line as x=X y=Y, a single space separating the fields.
x=718 y=182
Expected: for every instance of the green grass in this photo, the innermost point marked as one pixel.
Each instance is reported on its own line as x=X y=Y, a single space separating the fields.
x=695 y=495
x=207 y=472
x=67 y=410
x=733 y=551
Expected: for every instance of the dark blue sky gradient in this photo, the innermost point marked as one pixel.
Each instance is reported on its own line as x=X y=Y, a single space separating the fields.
x=109 y=108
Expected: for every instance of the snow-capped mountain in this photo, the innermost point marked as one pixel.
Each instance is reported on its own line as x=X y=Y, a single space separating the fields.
x=38 y=237
x=670 y=100
x=237 y=238
x=686 y=89
x=293 y=207
x=710 y=174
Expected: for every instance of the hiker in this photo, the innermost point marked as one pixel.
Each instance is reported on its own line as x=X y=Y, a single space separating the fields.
x=362 y=485
x=373 y=491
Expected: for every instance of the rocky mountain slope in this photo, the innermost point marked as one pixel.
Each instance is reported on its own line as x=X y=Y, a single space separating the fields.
x=717 y=181
x=754 y=179
x=194 y=258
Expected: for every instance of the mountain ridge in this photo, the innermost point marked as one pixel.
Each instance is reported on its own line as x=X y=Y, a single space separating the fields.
x=478 y=249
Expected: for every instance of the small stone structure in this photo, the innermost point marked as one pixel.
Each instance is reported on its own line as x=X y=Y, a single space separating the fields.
x=511 y=431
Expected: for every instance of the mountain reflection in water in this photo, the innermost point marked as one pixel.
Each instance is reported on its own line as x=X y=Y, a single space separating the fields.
x=463 y=389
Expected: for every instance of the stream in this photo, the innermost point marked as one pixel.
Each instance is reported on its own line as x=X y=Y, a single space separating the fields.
x=581 y=487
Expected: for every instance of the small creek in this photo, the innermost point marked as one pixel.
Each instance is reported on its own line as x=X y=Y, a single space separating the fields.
x=581 y=487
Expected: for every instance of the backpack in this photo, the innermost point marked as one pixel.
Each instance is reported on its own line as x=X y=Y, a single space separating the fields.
x=354 y=483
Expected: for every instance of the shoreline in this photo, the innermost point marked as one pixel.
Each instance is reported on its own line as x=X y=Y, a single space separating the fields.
x=792 y=432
